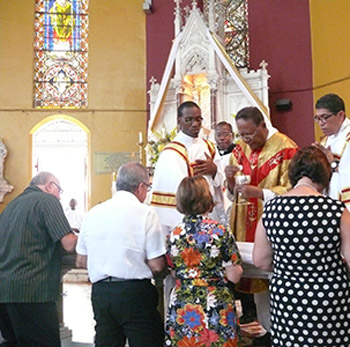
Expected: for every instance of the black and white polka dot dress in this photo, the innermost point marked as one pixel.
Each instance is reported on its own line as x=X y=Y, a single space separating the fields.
x=310 y=287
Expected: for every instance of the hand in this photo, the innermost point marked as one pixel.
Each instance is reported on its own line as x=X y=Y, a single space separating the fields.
x=205 y=167
x=230 y=173
x=326 y=151
x=249 y=191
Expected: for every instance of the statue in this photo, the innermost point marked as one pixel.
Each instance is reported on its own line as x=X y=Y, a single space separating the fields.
x=4 y=186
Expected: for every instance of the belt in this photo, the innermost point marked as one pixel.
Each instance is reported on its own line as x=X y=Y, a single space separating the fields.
x=112 y=279
x=116 y=279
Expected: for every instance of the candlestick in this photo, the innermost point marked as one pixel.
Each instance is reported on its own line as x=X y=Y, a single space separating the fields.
x=140 y=144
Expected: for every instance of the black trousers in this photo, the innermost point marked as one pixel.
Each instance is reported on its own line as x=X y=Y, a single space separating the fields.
x=30 y=324
x=127 y=310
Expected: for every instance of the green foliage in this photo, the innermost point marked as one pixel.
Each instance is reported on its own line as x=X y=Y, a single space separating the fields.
x=154 y=147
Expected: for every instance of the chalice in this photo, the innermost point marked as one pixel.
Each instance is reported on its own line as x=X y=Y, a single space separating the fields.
x=240 y=181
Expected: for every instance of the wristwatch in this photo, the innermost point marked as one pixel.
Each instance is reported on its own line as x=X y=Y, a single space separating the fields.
x=334 y=165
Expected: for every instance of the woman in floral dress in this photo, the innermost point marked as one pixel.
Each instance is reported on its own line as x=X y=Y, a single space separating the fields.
x=202 y=255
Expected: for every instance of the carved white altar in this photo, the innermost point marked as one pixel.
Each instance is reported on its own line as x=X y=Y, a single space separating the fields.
x=5 y=187
x=199 y=69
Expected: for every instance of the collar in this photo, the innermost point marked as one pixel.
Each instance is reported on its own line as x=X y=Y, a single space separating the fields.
x=31 y=188
x=344 y=127
x=123 y=194
x=228 y=150
x=185 y=139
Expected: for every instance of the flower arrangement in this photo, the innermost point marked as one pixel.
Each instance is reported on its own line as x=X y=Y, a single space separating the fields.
x=154 y=147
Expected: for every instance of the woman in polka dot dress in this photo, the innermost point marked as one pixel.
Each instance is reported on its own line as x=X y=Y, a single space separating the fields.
x=304 y=237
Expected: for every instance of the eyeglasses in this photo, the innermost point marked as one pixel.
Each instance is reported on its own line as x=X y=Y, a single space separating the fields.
x=323 y=118
x=190 y=120
x=222 y=134
x=149 y=186
x=58 y=187
x=248 y=136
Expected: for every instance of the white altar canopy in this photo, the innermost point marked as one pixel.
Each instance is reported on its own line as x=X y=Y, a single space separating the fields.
x=197 y=50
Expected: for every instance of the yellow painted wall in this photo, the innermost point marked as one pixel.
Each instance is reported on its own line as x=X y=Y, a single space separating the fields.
x=330 y=28
x=117 y=93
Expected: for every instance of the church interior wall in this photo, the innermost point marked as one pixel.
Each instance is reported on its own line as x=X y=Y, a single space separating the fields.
x=331 y=52
x=116 y=110
x=279 y=33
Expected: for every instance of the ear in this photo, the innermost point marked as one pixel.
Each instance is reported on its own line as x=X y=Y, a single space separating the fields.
x=138 y=190
x=341 y=114
x=48 y=186
x=263 y=124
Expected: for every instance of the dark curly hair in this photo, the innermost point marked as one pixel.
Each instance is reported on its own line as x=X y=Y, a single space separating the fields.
x=331 y=102
x=310 y=162
x=193 y=196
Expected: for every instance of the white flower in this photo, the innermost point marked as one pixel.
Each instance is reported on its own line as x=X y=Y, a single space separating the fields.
x=214 y=252
x=192 y=273
x=224 y=264
x=205 y=321
x=211 y=301
x=173 y=298
x=174 y=251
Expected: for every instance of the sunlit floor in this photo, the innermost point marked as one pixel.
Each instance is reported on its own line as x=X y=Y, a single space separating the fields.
x=77 y=311
x=78 y=316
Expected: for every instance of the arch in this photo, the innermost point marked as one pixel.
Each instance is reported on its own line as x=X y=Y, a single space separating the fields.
x=61 y=144
x=60 y=116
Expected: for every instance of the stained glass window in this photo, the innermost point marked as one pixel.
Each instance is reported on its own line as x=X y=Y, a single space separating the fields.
x=235 y=31
x=61 y=53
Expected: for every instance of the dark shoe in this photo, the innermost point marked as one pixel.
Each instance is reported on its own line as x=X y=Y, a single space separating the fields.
x=263 y=341
x=247 y=318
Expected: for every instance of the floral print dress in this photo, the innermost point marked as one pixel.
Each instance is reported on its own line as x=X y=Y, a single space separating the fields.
x=201 y=310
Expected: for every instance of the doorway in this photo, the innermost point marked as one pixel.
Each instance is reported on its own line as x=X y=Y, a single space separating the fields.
x=60 y=146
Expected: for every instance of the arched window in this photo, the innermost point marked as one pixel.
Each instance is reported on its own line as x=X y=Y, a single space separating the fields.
x=61 y=54
x=60 y=145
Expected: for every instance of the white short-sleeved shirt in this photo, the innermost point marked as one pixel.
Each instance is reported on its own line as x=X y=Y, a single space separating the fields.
x=118 y=236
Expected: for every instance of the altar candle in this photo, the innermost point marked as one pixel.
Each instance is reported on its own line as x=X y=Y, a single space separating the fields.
x=140 y=137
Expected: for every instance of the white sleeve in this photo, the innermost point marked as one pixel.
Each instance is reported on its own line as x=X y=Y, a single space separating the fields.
x=267 y=195
x=155 y=237
x=81 y=247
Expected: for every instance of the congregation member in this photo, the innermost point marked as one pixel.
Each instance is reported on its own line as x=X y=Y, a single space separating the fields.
x=303 y=237
x=224 y=147
x=122 y=245
x=33 y=229
x=186 y=156
x=331 y=118
x=263 y=154
x=74 y=215
x=201 y=254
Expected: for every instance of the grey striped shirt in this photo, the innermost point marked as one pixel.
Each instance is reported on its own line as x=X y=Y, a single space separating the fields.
x=30 y=252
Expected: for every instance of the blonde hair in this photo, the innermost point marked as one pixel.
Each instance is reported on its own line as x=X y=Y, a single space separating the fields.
x=193 y=196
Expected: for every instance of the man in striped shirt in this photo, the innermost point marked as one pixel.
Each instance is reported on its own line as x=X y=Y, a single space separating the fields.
x=33 y=227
